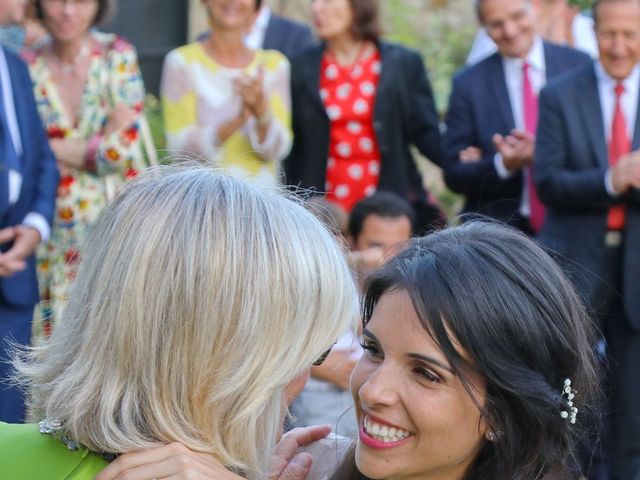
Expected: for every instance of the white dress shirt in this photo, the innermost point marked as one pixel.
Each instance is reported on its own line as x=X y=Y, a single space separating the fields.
x=628 y=102
x=255 y=38
x=513 y=68
x=32 y=219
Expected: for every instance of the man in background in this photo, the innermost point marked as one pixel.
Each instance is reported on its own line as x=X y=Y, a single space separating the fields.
x=587 y=170
x=28 y=183
x=274 y=32
x=492 y=116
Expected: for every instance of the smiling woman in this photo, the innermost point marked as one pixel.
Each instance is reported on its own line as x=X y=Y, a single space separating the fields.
x=475 y=345
x=226 y=102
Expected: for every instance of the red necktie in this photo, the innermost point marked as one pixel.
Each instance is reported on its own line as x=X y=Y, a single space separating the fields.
x=530 y=104
x=619 y=145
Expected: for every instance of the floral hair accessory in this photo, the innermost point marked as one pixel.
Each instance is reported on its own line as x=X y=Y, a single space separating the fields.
x=569 y=394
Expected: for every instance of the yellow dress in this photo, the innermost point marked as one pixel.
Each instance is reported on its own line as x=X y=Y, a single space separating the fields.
x=198 y=97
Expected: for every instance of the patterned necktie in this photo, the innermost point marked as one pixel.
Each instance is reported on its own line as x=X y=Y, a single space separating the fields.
x=530 y=105
x=619 y=145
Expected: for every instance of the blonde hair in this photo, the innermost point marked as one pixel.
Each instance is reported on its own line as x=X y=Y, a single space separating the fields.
x=199 y=297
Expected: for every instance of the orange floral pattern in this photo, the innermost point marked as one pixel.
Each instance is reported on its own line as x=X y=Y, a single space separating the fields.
x=113 y=78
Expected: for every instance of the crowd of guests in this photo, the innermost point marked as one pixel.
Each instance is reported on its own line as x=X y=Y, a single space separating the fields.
x=540 y=133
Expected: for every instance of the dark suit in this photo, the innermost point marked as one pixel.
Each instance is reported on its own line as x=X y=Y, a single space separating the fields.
x=404 y=115
x=19 y=292
x=570 y=165
x=286 y=36
x=479 y=107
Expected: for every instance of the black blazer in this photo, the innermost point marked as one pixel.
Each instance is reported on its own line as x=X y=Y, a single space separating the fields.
x=479 y=107
x=570 y=164
x=286 y=36
x=404 y=115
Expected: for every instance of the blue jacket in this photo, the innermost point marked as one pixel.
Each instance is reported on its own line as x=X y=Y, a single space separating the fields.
x=479 y=107
x=39 y=180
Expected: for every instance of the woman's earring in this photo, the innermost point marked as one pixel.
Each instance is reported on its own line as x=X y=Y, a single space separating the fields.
x=492 y=436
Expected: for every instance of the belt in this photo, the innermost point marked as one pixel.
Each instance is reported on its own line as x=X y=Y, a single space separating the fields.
x=613 y=238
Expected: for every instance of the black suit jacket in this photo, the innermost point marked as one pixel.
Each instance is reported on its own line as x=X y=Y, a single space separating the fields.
x=286 y=36
x=570 y=165
x=404 y=115
x=479 y=107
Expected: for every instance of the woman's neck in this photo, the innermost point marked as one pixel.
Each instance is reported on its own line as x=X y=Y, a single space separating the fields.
x=228 y=48
x=345 y=48
x=68 y=52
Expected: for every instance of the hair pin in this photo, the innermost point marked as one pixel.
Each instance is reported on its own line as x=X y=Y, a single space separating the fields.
x=569 y=394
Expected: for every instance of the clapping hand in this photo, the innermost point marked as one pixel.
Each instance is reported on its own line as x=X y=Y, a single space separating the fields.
x=516 y=149
x=470 y=155
x=626 y=173
x=251 y=89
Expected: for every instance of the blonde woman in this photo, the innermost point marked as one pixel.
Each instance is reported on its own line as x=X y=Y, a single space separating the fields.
x=225 y=101
x=202 y=301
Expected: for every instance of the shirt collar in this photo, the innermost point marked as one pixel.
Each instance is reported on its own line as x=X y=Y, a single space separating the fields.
x=629 y=83
x=262 y=20
x=535 y=57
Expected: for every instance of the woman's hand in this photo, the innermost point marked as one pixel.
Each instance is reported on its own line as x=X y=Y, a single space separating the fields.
x=289 y=464
x=120 y=117
x=177 y=462
x=252 y=92
x=173 y=461
x=69 y=153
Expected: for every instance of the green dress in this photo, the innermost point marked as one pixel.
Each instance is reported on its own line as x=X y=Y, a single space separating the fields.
x=27 y=454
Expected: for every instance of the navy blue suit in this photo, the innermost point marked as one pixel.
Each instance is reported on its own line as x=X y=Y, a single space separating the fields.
x=19 y=292
x=571 y=161
x=479 y=107
x=286 y=36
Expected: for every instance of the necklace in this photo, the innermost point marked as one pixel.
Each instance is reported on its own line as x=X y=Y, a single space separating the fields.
x=69 y=70
x=346 y=72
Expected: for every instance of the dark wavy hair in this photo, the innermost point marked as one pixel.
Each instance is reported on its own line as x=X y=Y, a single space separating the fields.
x=104 y=11
x=502 y=298
x=366 y=20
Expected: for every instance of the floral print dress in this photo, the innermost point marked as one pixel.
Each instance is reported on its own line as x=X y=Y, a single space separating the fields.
x=113 y=78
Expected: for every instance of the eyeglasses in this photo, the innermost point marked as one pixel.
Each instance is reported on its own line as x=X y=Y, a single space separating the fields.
x=75 y=3
x=322 y=357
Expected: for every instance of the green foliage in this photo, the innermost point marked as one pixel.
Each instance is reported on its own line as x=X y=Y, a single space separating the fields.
x=442 y=36
x=583 y=4
x=153 y=111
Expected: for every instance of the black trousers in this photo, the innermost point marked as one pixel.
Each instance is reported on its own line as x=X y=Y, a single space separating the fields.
x=622 y=424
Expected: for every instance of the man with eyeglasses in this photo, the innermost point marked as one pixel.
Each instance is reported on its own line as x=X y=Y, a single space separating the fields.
x=28 y=182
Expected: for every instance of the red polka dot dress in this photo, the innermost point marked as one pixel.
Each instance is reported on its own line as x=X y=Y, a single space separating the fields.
x=348 y=93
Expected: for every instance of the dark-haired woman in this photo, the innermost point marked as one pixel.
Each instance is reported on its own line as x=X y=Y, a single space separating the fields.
x=90 y=94
x=359 y=104
x=226 y=102
x=478 y=365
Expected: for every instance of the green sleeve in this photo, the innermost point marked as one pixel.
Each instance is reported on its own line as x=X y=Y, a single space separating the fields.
x=27 y=454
